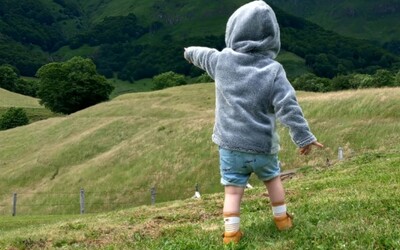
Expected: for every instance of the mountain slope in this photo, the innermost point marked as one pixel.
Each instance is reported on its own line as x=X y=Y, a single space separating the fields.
x=118 y=150
x=372 y=20
x=139 y=40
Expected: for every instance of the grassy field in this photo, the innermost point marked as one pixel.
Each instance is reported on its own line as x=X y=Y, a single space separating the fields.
x=353 y=204
x=31 y=105
x=124 y=87
x=119 y=149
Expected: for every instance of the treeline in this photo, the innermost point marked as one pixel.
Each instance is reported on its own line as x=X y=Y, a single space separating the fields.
x=27 y=30
x=329 y=54
x=381 y=78
x=30 y=31
x=326 y=53
x=25 y=60
x=30 y=22
x=133 y=62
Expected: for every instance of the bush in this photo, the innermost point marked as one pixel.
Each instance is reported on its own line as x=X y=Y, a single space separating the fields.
x=14 y=117
x=313 y=83
x=168 y=79
x=383 y=78
x=204 y=78
x=397 y=79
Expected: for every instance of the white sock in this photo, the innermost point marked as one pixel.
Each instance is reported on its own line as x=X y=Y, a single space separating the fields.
x=279 y=210
x=232 y=224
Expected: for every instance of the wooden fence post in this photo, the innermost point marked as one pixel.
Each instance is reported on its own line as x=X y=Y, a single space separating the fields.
x=14 y=206
x=82 y=201
x=153 y=195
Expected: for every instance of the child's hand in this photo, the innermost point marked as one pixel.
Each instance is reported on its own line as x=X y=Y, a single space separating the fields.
x=307 y=149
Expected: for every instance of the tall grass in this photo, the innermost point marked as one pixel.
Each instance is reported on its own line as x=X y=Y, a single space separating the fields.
x=118 y=150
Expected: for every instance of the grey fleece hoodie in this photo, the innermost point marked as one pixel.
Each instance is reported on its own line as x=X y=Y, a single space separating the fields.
x=251 y=87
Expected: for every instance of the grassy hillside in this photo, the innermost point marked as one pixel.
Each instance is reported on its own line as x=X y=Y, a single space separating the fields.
x=118 y=150
x=372 y=20
x=351 y=205
x=31 y=105
x=11 y=99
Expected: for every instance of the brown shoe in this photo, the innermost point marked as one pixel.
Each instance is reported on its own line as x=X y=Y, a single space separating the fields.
x=283 y=222
x=232 y=237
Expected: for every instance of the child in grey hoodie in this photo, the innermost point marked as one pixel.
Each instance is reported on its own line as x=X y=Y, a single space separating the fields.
x=252 y=91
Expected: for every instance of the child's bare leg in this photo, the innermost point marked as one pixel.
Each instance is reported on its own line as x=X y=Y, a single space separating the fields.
x=275 y=190
x=233 y=198
x=277 y=197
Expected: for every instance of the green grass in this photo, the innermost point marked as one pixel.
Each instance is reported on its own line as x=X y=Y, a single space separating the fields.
x=11 y=99
x=353 y=204
x=33 y=109
x=124 y=87
x=119 y=149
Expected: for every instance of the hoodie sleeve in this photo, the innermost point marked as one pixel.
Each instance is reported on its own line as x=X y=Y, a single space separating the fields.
x=289 y=112
x=204 y=58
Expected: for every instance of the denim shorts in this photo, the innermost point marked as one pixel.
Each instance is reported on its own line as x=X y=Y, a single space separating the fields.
x=236 y=167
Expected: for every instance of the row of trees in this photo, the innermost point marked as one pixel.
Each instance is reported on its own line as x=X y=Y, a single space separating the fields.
x=10 y=80
x=307 y=82
x=381 y=78
x=27 y=24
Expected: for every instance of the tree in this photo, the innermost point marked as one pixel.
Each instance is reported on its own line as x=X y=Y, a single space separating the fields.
x=8 y=77
x=66 y=87
x=14 y=117
x=168 y=79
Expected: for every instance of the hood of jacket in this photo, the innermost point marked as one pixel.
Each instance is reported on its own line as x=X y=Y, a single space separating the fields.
x=253 y=28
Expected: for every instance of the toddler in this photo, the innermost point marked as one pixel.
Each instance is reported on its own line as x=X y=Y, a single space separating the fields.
x=252 y=91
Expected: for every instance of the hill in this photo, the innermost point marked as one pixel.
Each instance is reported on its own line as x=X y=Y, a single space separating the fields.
x=120 y=149
x=11 y=99
x=139 y=40
x=31 y=105
x=353 y=204
x=371 y=20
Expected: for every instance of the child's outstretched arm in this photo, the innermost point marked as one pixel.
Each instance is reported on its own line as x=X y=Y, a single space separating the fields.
x=289 y=112
x=202 y=57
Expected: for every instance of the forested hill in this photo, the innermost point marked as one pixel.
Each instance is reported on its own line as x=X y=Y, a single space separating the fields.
x=143 y=38
x=366 y=19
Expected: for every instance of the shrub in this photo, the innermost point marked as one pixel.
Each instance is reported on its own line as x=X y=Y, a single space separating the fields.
x=383 y=78
x=311 y=82
x=14 y=117
x=361 y=81
x=204 y=78
x=397 y=79
x=168 y=79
